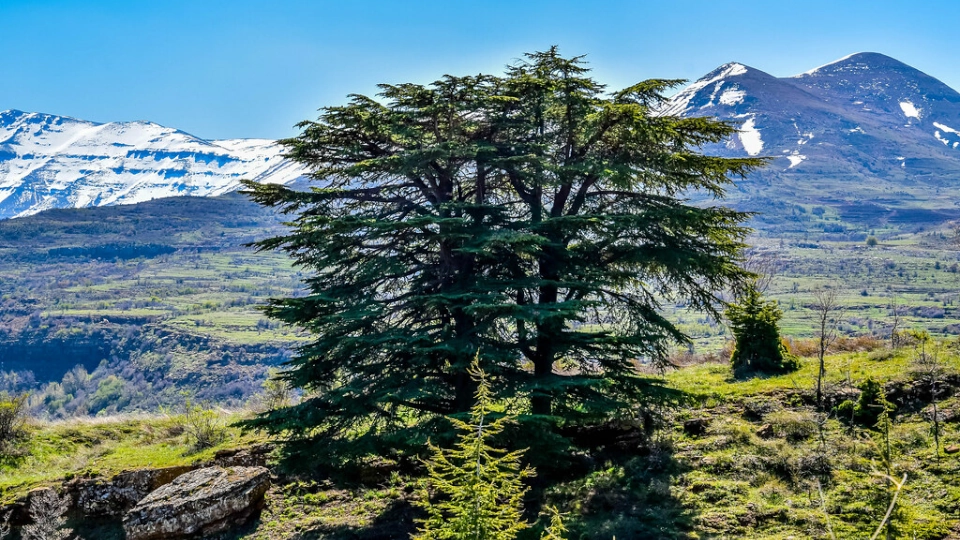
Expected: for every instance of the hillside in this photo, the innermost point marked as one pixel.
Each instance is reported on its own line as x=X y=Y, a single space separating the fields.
x=151 y=300
x=738 y=459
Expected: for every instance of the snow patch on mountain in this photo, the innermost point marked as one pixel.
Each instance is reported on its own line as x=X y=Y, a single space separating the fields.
x=732 y=97
x=750 y=137
x=795 y=159
x=910 y=110
x=946 y=128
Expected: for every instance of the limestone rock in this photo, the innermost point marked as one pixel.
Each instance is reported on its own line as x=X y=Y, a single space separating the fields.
x=96 y=497
x=253 y=456
x=201 y=502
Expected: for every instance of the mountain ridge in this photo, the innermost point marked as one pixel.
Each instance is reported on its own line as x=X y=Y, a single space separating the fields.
x=866 y=127
x=50 y=161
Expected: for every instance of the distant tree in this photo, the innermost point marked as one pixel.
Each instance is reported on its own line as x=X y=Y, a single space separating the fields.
x=531 y=216
x=872 y=241
x=826 y=308
x=896 y=314
x=758 y=346
x=930 y=372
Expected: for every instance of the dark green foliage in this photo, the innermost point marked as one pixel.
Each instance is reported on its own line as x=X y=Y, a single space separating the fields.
x=868 y=409
x=759 y=348
x=530 y=216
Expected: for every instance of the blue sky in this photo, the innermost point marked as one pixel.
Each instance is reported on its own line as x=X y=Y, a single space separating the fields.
x=243 y=68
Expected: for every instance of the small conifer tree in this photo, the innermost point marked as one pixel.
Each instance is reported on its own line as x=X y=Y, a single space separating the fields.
x=870 y=408
x=477 y=489
x=758 y=349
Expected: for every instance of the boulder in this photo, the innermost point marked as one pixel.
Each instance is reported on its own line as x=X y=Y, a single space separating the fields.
x=97 y=497
x=199 y=503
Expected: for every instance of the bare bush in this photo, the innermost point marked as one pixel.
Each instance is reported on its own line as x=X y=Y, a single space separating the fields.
x=810 y=347
x=276 y=393
x=204 y=427
x=47 y=510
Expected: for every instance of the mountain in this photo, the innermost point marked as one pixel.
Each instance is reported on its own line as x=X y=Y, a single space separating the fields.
x=863 y=129
x=49 y=161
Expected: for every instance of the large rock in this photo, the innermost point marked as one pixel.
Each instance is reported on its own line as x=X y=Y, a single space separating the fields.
x=97 y=497
x=200 y=502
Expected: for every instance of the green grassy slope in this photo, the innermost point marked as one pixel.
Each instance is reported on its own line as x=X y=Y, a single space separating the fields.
x=738 y=459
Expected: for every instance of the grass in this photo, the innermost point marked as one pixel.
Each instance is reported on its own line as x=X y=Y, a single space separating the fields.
x=103 y=447
x=901 y=271
x=756 y=470
x=759 y=467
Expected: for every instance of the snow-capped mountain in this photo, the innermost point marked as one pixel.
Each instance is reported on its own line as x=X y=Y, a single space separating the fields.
x=863 y=127
x=49 y=161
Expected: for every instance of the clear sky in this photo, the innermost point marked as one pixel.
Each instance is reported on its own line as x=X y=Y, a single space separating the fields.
x=240 y=68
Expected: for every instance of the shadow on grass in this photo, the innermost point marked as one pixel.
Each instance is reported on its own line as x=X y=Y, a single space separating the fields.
x=627 y=493
x=396 y=522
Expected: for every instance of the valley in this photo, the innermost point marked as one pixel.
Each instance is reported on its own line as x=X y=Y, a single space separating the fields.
x=140 y=303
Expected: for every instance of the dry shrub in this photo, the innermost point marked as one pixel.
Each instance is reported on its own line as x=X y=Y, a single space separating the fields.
x=205 y=427
x=13 y=421
x=793 y=425
x=47 y=509
x=685 y=358
x=810 y=347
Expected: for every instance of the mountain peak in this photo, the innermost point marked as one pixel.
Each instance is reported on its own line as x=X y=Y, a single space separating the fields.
x=10 y=116
x=720 y=86
x=856 y=62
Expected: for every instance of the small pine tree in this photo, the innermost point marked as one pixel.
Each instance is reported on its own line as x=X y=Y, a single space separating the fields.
x=870 y=407
x=478 y=489
x=758 y=347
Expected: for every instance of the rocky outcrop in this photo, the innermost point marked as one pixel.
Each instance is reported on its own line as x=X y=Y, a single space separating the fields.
x=253 y=456
x=201 y=502
x=96 y=497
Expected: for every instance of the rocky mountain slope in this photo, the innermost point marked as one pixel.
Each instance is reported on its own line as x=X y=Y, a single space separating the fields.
x=863 y=129
x=49 y=161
